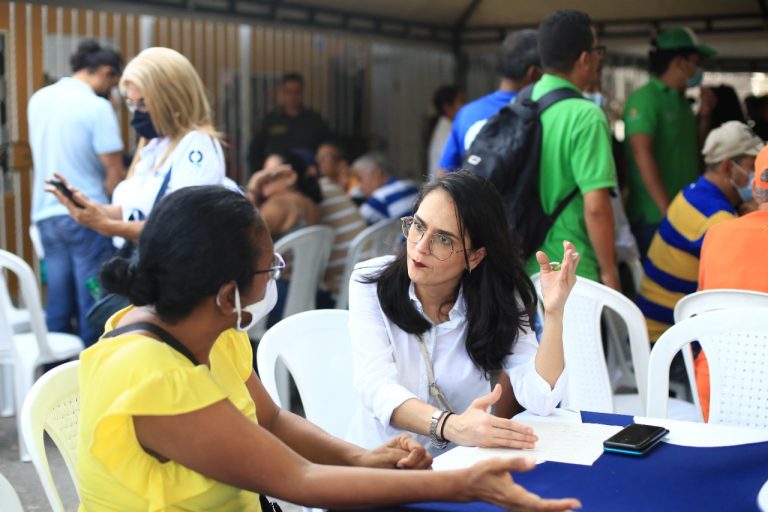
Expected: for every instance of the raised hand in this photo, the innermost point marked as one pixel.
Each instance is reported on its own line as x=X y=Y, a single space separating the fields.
x=557 y=278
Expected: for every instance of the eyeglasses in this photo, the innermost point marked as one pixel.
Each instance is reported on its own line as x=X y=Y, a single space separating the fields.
x=275 y=269
x=440 y=245
x=600 y=50
x=135 y=105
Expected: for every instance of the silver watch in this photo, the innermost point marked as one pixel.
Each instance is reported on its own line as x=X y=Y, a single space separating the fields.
x=433 y=439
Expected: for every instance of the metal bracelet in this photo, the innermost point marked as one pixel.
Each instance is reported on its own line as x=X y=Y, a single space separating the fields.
x=434 y=440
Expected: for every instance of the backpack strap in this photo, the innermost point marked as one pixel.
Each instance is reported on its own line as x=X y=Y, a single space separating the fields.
x=158 y=331
x=552 y=97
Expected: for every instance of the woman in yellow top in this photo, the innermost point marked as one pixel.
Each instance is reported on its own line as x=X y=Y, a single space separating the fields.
x=173 y=417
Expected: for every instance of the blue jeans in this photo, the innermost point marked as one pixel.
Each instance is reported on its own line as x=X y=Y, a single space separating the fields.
x=73 y=255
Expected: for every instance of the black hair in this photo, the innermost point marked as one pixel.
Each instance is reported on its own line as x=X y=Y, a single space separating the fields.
x=91 y=55
x=339 y=146
x=659 y=59
x=727 y=108
x=194 y=241
x=306 y=183
x=444 y=96
x=519 y=51
x=500 y=297
x=292 y=77
x=563 y=37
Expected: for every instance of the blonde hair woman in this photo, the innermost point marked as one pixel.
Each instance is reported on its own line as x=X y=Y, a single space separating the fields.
x=178 y=146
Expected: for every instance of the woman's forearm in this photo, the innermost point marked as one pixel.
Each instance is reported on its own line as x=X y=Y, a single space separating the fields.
x=550 y=360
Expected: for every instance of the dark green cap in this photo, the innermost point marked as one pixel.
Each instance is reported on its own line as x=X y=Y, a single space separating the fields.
x=681 y=38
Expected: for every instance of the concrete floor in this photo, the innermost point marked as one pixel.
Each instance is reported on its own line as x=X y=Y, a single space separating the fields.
x=23 y=476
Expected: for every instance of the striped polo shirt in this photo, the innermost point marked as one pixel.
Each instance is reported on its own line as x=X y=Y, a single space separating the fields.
x=391 y=201
x=672 y=266
x=337 y=211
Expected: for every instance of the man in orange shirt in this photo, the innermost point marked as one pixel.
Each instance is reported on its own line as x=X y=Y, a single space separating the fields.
x=728 y=257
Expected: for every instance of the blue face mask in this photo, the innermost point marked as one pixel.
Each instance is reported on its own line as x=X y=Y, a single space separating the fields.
x=595 y=97
x=696 y=79
x=142 y=123
x=745 y=192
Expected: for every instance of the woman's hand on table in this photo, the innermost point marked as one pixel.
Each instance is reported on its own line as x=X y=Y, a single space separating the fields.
x=491 y=481
x=401 y=452
x=557 y=278
x=476 y=427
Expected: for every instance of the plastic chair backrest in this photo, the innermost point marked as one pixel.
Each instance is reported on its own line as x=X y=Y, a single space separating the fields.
x=9 y=500
x=712 y=300
x=736 y=343
x=53 y=406
x=380 y=239
x=310 y=248
x=316 y=348
x=589 y=386
x=31 y=296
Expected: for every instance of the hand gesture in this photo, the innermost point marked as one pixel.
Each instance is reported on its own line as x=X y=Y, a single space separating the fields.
x=490 y=481
x=476 y=427
x=557 y=279
x=84 y=211
x=401 y=452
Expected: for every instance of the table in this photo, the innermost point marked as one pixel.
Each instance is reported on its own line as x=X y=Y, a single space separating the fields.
x=699 y=467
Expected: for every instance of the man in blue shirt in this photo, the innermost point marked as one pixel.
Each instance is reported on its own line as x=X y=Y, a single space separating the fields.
x=74 y=132
x=519 y=65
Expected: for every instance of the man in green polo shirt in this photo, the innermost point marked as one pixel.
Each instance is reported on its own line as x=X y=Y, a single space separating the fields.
x=576 y=148
x=663 y=136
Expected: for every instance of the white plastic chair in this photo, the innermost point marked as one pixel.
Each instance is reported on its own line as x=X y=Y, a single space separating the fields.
x=28 y=352
x=9 y=500
x=316 y=348
x=380 y=239
x=18 y=321
x=736 y=343
x=53 y=406
x=589 y=386
x=762 y=498
x=712 y=300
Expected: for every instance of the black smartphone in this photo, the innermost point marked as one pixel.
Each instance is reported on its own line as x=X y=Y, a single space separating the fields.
x=61 y=187
x=635 y=439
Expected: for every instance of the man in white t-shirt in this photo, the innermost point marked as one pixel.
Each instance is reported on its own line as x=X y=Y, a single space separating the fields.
x=73 y=131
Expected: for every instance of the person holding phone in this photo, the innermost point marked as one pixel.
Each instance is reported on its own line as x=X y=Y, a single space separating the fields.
x=73 y=131
x=173 y=416
x=178 y=145
x=442 y=332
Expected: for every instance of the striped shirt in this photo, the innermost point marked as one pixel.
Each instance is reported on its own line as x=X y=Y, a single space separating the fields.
x=391 y=201
x=337 y=211
x=672 y=266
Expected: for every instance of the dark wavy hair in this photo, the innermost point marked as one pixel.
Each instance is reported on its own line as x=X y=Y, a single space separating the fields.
x=194 y=241
x=500 y=297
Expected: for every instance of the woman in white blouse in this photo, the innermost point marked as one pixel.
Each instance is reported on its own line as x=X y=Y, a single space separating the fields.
x=178 y=145
x=455 y=308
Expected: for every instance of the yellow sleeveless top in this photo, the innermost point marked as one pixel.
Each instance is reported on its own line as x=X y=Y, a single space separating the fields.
x=132 y=375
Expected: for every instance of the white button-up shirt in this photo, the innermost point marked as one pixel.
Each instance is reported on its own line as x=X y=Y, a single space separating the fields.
x=389 y=368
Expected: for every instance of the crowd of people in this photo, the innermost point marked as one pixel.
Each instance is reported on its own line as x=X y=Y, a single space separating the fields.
x=443 y=333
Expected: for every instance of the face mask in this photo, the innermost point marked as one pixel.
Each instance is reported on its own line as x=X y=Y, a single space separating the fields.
x=257 y=310
x=595 y=97
x=142 y=123
x=696 y=79
x=745 y=192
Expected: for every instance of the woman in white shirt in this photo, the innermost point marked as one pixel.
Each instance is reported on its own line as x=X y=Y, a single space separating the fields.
x=178 y=145
x=457 y=304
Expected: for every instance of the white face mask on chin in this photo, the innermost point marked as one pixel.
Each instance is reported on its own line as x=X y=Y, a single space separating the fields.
x=257 y=310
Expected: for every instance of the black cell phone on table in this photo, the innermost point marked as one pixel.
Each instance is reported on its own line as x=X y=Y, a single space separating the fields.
x=61 y=187
x=635 y=439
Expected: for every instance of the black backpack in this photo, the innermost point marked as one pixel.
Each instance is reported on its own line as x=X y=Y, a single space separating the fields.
x=506 y=152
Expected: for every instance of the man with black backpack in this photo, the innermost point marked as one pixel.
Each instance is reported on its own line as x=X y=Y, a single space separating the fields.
x=575 y=148
x=549 y=154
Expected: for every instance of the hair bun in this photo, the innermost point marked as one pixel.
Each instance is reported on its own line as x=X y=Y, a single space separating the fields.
x=117 y=275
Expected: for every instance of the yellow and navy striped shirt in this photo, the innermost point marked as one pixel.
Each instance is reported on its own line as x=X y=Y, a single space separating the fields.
x=672 y=266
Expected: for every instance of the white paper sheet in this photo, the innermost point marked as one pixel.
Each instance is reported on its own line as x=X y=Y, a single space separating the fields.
x=572 y=443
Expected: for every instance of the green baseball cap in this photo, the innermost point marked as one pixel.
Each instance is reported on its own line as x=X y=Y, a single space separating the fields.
x=682 y=38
